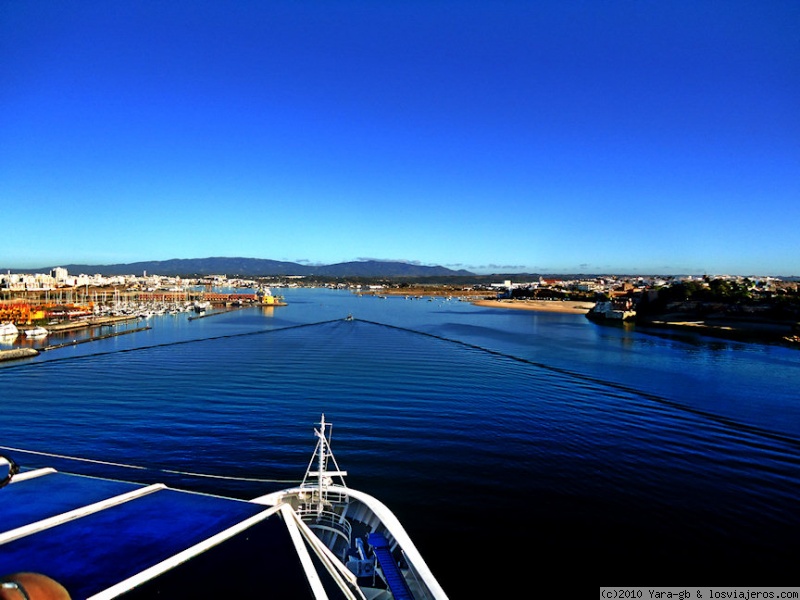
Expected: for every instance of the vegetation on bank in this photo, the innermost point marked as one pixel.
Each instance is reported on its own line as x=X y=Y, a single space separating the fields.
x=755 y=311
x=724 y=297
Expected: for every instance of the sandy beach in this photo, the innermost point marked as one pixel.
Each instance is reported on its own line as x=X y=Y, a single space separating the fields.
x=560 y=306
x=478 y=298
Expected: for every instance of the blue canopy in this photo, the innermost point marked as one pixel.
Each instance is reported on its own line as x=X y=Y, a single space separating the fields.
x=91 y=534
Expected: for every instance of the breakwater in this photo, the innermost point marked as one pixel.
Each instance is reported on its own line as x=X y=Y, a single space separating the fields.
x=17 y=353
x=92 y=339
x=85 y=323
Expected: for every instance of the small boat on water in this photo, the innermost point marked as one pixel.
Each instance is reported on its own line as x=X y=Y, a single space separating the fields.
x=102 y=539
x=201 y=306
x=36 y=332
x=8 y=330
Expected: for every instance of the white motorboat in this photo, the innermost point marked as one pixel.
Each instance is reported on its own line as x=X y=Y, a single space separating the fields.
x=8 y=330
x=37 y=332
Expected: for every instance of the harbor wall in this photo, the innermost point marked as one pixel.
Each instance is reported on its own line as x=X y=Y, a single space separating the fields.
x=17 y=353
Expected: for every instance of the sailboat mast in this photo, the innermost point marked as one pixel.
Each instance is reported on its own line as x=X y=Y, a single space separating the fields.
x=321 y=458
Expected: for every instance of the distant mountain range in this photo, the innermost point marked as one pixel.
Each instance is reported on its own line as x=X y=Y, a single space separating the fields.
x=254 y=267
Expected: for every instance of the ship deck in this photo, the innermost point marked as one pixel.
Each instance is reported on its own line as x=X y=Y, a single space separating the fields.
x=108 y=539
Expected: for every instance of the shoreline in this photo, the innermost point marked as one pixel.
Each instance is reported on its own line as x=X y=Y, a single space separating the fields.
x=478 y=298
x=765 y=332
x=732 y=329
x=574 y=307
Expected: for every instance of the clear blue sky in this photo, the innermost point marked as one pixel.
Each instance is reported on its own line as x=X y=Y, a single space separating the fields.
x=542 y=136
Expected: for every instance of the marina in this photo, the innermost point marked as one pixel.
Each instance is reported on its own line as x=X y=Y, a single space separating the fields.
x=635 y=455
x=90 y=320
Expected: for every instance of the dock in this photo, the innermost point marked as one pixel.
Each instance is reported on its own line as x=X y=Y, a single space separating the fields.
x=214 y=313
x=93 y=338
x=84 y=323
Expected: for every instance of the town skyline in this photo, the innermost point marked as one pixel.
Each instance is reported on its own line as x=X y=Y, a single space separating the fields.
x=264 y=268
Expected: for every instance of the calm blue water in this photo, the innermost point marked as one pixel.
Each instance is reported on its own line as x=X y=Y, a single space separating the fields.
x=498 y=437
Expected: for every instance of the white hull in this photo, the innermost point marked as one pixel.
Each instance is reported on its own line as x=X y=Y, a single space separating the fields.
x=367 y=510
x=8 y=330
x=340 y=523
x=36 y=332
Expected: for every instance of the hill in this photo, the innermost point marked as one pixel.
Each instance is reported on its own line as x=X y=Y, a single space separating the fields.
x=254 y=267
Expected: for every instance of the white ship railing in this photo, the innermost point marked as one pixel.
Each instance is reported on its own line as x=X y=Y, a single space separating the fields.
x=326 y=520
